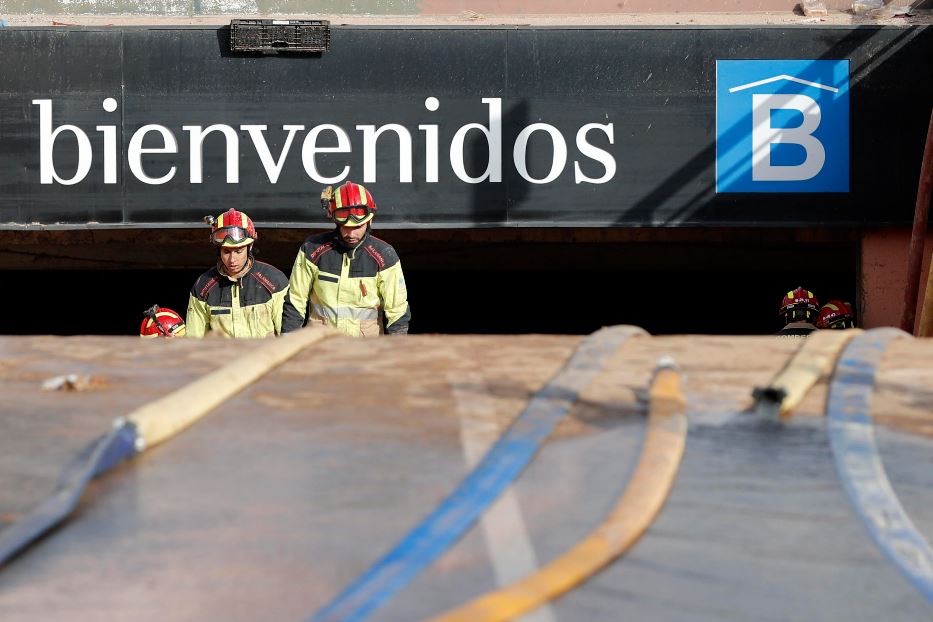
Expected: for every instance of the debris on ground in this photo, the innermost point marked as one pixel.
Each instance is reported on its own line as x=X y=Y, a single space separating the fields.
x=73 y=382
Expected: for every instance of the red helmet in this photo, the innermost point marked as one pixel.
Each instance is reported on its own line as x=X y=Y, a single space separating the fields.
x=800 y=304
x=232 y=229
x=161 y=322
x=351 y=204
x=836 y=314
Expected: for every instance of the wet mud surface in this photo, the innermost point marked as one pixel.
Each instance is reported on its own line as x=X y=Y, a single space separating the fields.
x=275 y=501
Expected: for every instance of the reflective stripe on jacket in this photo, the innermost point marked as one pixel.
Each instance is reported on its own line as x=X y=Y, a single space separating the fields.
x=360 y=291
x=249 y=307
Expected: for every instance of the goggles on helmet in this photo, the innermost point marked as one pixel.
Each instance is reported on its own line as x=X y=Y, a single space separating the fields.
x=233 y=234
x=356 y=214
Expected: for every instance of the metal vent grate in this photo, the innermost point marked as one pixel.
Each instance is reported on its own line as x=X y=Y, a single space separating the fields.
x=279 y=35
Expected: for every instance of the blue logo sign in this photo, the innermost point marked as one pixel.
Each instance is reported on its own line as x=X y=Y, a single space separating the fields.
x=782 y=126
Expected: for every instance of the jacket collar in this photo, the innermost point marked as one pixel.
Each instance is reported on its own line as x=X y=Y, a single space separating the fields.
x=341 y=245
x=235 y=277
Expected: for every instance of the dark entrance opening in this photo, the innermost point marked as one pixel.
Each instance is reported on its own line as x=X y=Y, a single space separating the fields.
x=666 y=287
x=501 y=281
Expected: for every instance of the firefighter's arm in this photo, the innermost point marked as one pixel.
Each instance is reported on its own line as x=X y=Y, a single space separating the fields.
x=198 y=317
x=394 y=296
x=278 y=309
x=295 y=301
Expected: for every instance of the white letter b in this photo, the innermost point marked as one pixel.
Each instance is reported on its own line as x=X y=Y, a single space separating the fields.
x=47 y=136
x=764 y=135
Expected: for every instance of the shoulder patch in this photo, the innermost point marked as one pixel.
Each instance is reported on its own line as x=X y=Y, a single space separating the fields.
x=382 y=252
x=315 y=255
x=318 y=245
x=205 y=283
x=269 y=276
x=376 y=255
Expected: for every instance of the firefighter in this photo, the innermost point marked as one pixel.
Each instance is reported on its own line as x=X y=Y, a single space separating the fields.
x=347 y=278
x=239 y=297
x=799 y=309
x=836 y=314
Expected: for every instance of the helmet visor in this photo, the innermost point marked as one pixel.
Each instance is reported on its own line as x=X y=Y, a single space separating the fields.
x=232 y=234
x=356 y=214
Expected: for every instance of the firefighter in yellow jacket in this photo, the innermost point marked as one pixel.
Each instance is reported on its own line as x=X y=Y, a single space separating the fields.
x=239 y=297
x=347 y=278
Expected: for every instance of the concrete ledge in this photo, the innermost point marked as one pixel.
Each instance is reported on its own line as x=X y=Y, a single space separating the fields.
x=471 y=18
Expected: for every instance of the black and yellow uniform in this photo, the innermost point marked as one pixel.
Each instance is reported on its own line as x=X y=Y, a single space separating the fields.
x=360 y=291
x=796 y=329
x=249 y=306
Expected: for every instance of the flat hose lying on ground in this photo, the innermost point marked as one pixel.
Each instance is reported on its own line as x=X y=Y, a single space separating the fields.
x=813 y=360
x=148 y=426
x=504 y=462
x=639 y=505
x=858 y=462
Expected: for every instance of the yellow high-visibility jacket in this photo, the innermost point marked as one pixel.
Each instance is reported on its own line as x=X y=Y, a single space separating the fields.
x=360 y=291
x=247 y=307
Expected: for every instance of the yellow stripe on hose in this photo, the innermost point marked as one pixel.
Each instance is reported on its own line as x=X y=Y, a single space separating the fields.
x=161 y=419
x=640 y=504
x=815 y=358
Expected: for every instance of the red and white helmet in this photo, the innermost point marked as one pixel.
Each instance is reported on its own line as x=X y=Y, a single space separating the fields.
x=232 y=229
x=161 y=322
x=836 y=314
x=799 y=303
x=351 y=204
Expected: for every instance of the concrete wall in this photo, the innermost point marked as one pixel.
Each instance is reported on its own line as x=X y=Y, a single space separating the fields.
x=884 y=275
x=404 y=7
x=495 y=7
x=207 y=7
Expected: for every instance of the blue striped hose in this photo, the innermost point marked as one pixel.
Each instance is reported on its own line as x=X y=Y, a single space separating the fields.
x=501 y=465
x=98 y=458
x=859 y=465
